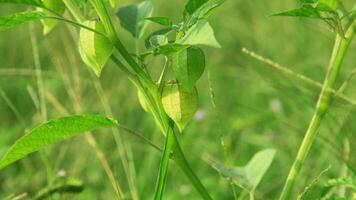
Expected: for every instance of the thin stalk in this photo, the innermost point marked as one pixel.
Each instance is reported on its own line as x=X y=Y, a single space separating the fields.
x=322 y=106
x=162 y=178
x=185 y=167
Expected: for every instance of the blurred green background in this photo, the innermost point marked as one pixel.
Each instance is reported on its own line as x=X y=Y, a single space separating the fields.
x=245 y=106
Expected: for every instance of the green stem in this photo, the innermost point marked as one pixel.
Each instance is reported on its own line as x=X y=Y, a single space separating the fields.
x=185 y=167
x=162 y=177
x=323 y=104
x=151 y=93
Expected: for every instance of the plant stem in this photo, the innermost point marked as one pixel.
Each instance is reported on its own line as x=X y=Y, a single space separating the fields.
x=322 y=106
x=185 y=167
x=162 y=177
x=151 y=93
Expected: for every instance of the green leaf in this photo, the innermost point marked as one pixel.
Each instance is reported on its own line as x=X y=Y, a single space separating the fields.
x=95 y=49
x=165 y=21
x=132 y=17
x=200 y=33
x=25 y=2
x=193 y=5
x=188 y=66
x=305 y=11
x=52 y=132
x=55 y=6
x=204 y=11
x=250 y=175
x=258 y=166
x=164 y=31
x=12 y=20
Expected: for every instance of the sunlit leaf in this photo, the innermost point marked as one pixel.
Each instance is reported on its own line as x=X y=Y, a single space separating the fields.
x=52 y=132
x=95 y=49
x=132 y=17
x=55 y=6
x=200 y=33
x=12 y=20
x=170 y=49
x=158 y=40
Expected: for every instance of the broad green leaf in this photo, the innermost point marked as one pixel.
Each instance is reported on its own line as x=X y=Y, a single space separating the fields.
x=158 y=40
x=193 y=5
x=55 y=6
x=95 y=49
x=12 y=20
x=250 y=175
x=132 y=17
x=200 y=33
x=165 y=21
x=61 y=185
x=188 y=66
x=258 y=166
x=170 y=49
x=204 y=11
x=164 y=31
x=25 y=2
x=52 y=132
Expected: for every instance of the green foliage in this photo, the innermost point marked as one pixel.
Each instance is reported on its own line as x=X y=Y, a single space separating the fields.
x=25 y=2
x=52 y=132
x=193 y=5
x=95 y=49
x=349 y=182
x=12 y=20
x=326 y=10
x=132 y=17
x=161 y=32
x=200 y=33
x=250 y=175
x=56 y=6
x=164 y=21
x=204 y=11
x=188 y=66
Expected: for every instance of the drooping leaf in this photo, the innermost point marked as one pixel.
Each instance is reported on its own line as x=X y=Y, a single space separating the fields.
x=204 y=11
x=193 y=5
x=37 y=3
x=188 y=66
x=55 y=6
x=164 y=21
x=200 y=33
x=12 y=20
x=132 y=17
x=250 y=175
x=61 y=185
x=52 y=132
x=95 y=49
x=164 y=31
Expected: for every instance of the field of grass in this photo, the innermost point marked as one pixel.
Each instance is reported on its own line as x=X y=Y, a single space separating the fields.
x=258 y=91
